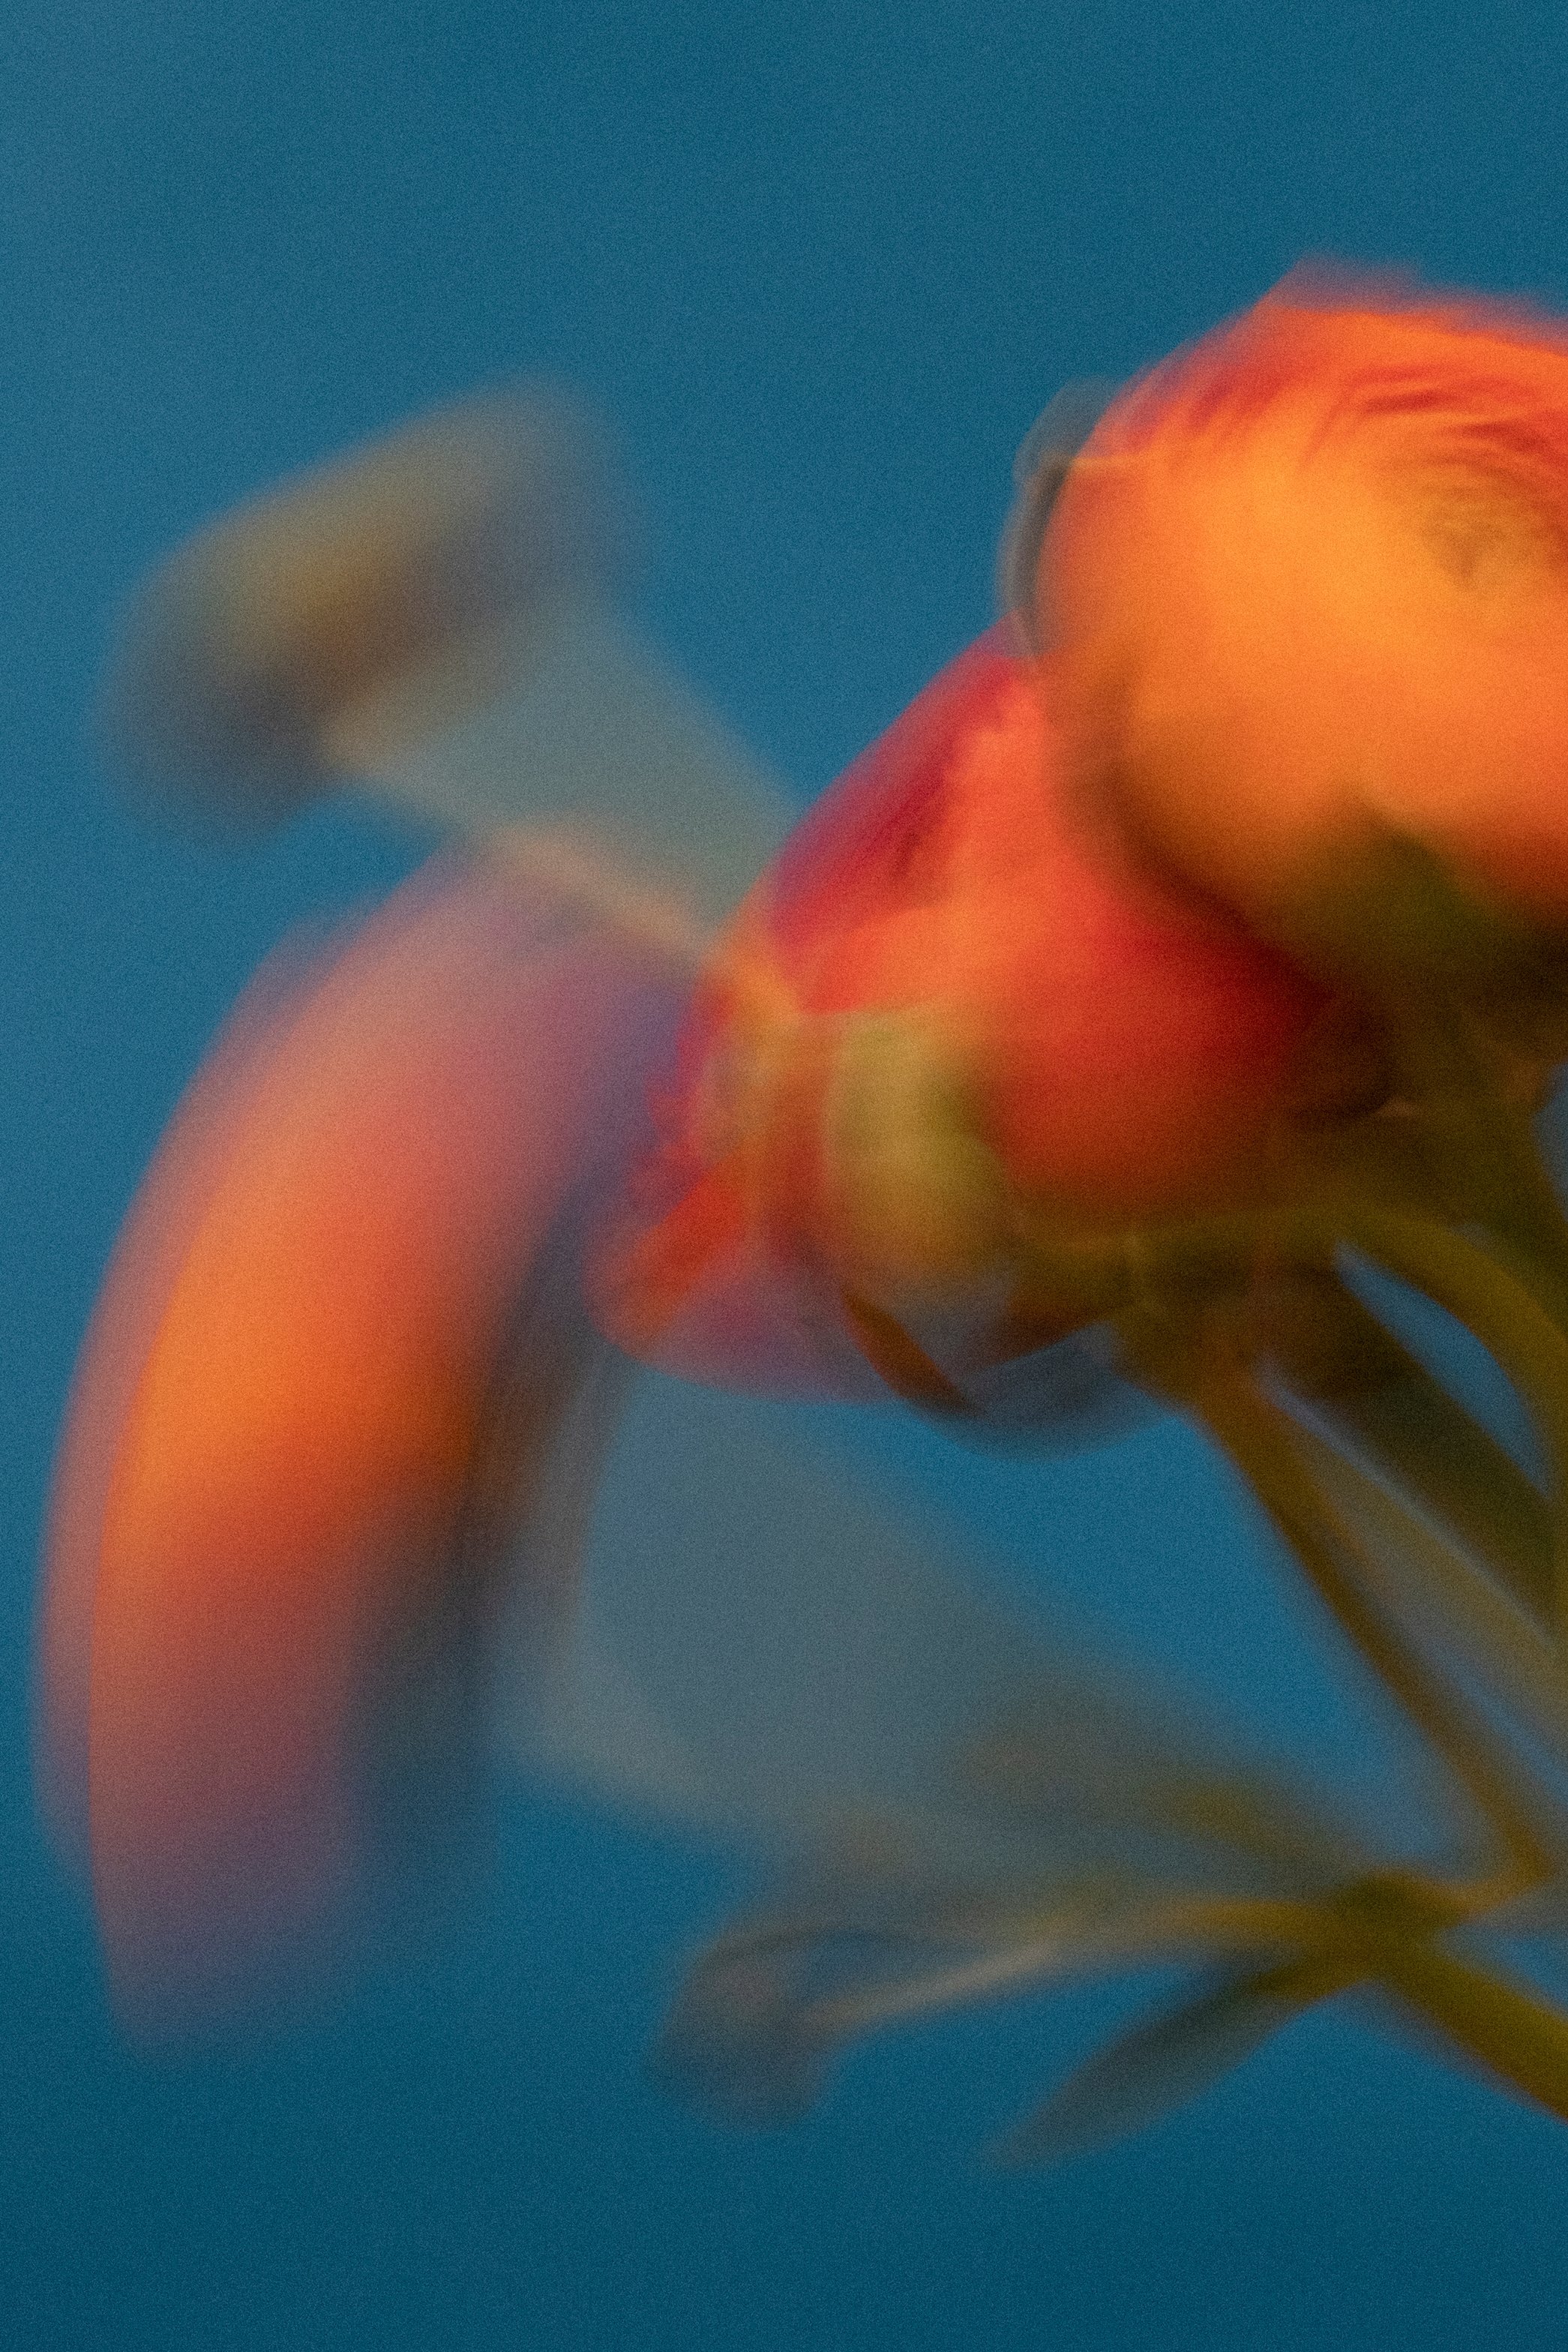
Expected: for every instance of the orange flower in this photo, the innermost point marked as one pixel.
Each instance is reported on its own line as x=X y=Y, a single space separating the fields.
x=326 y=1379
x=941 y=1008
x=1305 y=599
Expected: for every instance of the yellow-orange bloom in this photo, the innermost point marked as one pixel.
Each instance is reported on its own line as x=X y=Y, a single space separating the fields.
x=1304 y=596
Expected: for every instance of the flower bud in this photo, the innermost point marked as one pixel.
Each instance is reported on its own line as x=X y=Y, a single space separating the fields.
x=943 y=1013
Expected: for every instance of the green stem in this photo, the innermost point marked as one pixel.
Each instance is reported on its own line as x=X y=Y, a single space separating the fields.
x=1332 y=1352
x=1515 y=2035
x=1183 y=1265
x=1506 y=1314
x=1257 y=1437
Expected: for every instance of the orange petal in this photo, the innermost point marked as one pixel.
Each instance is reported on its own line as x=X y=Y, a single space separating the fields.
x=287 y=1408
x=1306 y=586
x=944 y=963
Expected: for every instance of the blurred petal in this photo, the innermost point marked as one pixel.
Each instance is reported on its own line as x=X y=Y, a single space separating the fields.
x=615 y=777
x=146 y=1263
x=766 y=1644
x=338 y=1349
x=1304 y=596
x=961 y=1803
x=1166 y=2061
x=1039 y=471
x=773 y=1643
x=762 y=2011
x=698 y=1291
x=428 y=616
x=941 y=1009
x=423 y=558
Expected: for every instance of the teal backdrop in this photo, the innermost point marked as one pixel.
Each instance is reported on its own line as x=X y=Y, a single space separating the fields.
x=818 y=266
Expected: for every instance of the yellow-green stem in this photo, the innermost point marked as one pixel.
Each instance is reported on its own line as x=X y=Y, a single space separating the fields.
x=1256 y=1438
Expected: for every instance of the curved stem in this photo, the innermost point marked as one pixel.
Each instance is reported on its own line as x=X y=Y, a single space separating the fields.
x=1336 y=1357
x=1507 y=1315
x=1516 y=2035
x=1182 y=1265
x=1257 y=1437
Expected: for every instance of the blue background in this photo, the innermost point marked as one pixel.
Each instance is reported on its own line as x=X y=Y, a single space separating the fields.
x=820 y=266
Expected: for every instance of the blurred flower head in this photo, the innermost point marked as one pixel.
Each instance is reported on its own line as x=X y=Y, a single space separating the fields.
x=949 y=1006
x=1304 y=600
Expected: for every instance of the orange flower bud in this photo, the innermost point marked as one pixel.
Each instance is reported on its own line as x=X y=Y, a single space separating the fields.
x=941 y=1009
x=1304 y=597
